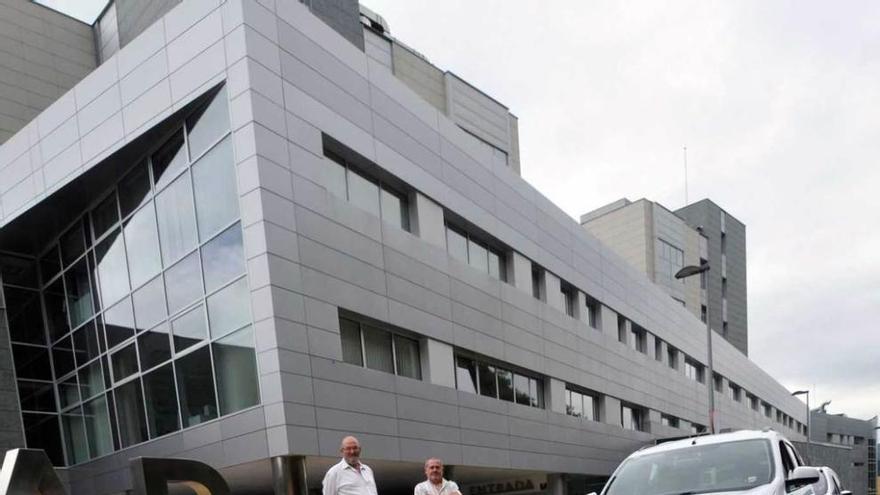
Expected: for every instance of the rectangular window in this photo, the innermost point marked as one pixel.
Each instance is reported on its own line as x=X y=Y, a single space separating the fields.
x=592 y=312
x=638 y=338
x=753 y=402
x=621 y=329
x=658 y=349
x=367 y=193
x=697 y=429
x=569 y=295
x=668 y=420
x=463 y=247
x=374 y=347
x=672 y=354
x=581 y=403
x=704 y=276
x=768 y=409
x=632 y=418
x=538 y=283
x=693 y=370
x=718 y=382
x=477 y=376
x=704 y=313
x=735 y=392
x=671 y=260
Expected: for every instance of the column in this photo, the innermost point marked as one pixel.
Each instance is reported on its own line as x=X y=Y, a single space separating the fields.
x=426 y=220
x=438 y=362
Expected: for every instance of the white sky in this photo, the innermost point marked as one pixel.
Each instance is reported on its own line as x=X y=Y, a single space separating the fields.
x=777 y=103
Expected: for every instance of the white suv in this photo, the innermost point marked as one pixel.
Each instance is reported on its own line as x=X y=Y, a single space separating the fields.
x=753 y=462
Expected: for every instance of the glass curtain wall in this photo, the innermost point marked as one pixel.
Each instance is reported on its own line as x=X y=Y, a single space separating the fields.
x=136 y=322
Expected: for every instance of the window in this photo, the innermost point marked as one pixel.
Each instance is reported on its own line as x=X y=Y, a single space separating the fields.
x=377 y=348
x=768 y=409
x=735 y=392
x=671 y=260
x=477 y=376
x=569 y=296
x=704 y=313
x=367 y=193
x=724 y=329
x=638 y=338
x=672 y=354
x=581 y=403
x=724 y=287
x=717 y=382
x=465 y=248
x=593 y=312
x=538 y=289
x=621 y=329
x=704 y=276
x=632 y=418
x=697 y=429
x=753 y=402
x=693 y=370
x=667 y=420
x=658 y=349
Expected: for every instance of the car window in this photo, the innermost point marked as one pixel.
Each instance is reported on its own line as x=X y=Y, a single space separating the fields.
x=787 y=462
x=795 y=457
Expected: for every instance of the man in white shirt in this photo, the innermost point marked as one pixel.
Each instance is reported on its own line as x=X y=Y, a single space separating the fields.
x=435 y=484
x=350 y=476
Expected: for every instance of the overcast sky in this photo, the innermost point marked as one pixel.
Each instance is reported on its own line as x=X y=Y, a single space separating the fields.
x=778 y=104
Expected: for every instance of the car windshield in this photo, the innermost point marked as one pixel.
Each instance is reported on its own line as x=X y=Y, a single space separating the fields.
x=716 y=467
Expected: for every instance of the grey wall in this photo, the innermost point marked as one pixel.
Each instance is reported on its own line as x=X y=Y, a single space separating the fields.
x=707 y=215
x=42 y=54
x=341 y=15
x=838 y=458
x=106 y=29
x=135 y=16
x=857 y=463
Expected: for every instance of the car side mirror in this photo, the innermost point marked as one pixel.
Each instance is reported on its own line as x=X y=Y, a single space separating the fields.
x=801 y=476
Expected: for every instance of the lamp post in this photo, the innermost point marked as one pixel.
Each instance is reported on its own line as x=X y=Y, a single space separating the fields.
x=685 y=272
x=807 y=393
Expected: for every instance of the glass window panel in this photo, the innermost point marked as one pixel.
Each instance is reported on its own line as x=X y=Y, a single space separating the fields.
x=576 y=404
x=495 y=269
x=215 y=190
x=488 y=381
x=223 y=258
x=195 y=385
x=236 y=368
x=505 y=385
x=31 y=362
x=351 y=342
x=521 y=388
x=456 y=244
x=43 y=430
x=169 y=160
x=73 y=244
x=208 y=123
x=50 y=264
x=393 y=209
x=626 y=417
x=183 y=283
x=334 y=178
x=154 y=347
x=407 y=353
x=161 y=399
x=91 y=380
x=534 y=393
x=79 y=293
x=18 y=270
x=229 y=309
x=149 y=305
x=363 y=192
x=105 y=215
x=589 y=408
x=36 y=396
x=62 y=357
x=177 y=220
x=25 y=316
x=68 y=392
x=466 y=374
x=114 y=430
x=75 y=437
x=85 y=343
x=130 y=411
x=377 y=349
x=98 y=427
x=134 y=189
x=112 y=268
x=119 y=323
x=142 y=245
x=478 y=256
x=124 y=362
x=189 y=329
x=56 y=310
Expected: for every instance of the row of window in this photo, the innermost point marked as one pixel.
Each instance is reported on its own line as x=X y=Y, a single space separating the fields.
x=479 y=376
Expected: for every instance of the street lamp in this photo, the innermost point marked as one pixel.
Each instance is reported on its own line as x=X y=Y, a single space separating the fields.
x=685 y=272
x=807 y=393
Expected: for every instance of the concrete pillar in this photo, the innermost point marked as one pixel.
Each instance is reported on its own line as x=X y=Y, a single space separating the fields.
x=521 y=272
x=664 y=353
x=438 y=362
x=289 y=475
x=611 y=411
x=580 y=308
x=655 y=424
x=650 y=347
x=625 y=330
x=555 y=484
x=684 y=425
x=608 y=321
x=556 y=400
x=553 y=292
x=426 y=220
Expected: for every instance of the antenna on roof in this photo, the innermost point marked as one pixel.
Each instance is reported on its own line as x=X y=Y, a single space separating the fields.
x=685 y=175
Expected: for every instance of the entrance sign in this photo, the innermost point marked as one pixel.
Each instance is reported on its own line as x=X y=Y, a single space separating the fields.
x=507 y=487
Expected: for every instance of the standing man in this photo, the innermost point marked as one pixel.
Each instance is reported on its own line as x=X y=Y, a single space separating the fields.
x=435 y=484
x=350 y=476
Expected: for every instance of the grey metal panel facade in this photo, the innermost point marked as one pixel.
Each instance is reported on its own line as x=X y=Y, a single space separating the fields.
x=855 y=441
x=342 y=15
x=135 y=16
x=707 y=215
x=43 y=53
x=290 y=80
